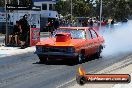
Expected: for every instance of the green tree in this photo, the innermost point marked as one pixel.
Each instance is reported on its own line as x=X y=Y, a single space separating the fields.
x=22 y=2
x=63 y=7
x=117 y=9
x=122 y=10
x=129 y=2
x=27 y=2
x=2 y=3
x=80 y=7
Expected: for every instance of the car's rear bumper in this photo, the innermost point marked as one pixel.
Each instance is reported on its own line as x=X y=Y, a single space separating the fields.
x=56 y=55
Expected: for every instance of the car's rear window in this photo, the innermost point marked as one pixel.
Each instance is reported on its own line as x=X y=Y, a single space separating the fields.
x=75 y=34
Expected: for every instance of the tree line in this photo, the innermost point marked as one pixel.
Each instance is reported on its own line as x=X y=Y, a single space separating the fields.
x=117 y=9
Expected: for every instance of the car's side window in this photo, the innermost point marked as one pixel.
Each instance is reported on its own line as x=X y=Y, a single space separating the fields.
x=89 y=34
x=94 y=35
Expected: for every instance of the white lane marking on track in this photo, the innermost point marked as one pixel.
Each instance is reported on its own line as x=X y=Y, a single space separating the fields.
x=66 y=83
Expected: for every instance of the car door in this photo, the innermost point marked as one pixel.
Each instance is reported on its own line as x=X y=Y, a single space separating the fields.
x=95 y=40
x=89 y=43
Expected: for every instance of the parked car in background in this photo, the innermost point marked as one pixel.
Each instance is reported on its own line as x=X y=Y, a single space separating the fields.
x=72 y=43
x=124 y=20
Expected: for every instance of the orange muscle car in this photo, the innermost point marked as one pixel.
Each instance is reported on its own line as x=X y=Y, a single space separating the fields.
x=70 y=43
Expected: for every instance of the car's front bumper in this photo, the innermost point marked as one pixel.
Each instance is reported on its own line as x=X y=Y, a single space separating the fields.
x=57 y=54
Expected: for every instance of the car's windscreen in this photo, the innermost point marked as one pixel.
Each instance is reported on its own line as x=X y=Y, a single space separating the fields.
x=75 y=34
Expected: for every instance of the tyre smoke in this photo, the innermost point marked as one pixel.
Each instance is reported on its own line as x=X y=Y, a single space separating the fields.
x=118 y=39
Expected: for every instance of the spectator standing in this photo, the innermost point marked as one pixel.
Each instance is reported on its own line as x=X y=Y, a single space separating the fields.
x=56 y=24
x=91 y=22
x=112 y=22
x=84 y=23
x=25 y=32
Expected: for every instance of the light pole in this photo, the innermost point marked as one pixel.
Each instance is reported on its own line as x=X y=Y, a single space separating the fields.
x=6 y=26
x=71 y=10
x=100 y=13
x=18 y=2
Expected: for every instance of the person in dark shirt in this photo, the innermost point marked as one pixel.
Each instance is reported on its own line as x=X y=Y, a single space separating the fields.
x=84 y=23
x=91 y=22
x=112 y=22
x=25 y=32
x=56 y=24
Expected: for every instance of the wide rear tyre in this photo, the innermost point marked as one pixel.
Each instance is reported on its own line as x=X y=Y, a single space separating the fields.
x=97 y=54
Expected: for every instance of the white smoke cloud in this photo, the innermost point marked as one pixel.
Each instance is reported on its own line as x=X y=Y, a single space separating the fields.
x=118 y=39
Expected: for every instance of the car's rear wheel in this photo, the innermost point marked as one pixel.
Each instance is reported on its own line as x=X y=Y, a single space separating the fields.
x=99 y=50
x=42 y=59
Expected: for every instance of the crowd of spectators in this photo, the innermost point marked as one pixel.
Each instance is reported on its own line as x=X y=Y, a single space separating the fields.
x=52 y=25
x=21 y=34
x=85 y=22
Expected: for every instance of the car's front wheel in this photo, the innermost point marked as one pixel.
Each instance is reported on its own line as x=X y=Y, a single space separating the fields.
x=42 y=59
x=80 y=58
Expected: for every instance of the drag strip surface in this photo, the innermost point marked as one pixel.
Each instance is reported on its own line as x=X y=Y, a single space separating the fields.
x=24 y=71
